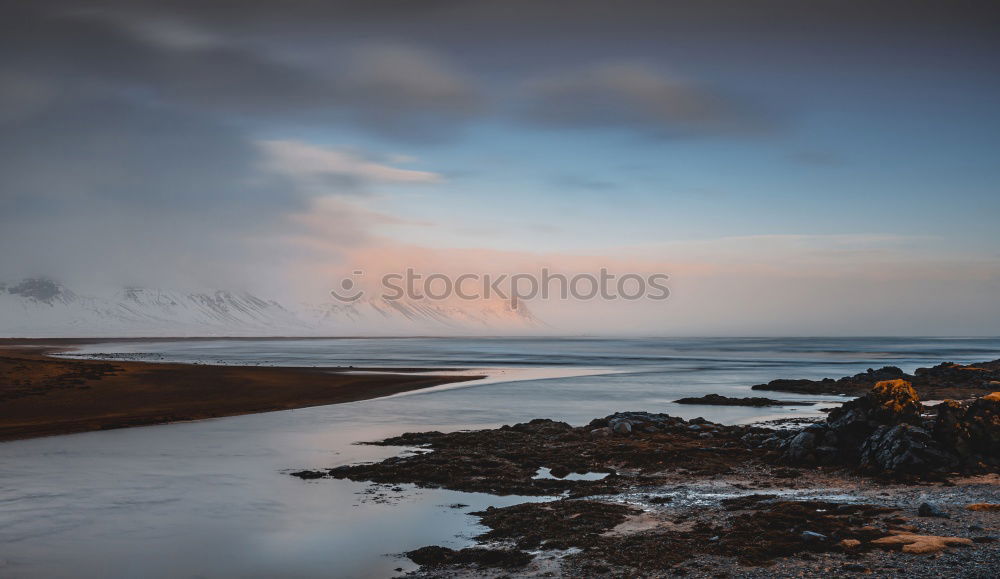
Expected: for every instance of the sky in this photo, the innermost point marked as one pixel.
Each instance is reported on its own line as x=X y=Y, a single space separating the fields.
x=796 y=168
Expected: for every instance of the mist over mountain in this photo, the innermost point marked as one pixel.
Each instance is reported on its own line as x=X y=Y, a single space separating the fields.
x=41 y=307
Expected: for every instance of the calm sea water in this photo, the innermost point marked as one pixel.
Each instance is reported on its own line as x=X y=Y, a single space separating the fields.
x=213 y=498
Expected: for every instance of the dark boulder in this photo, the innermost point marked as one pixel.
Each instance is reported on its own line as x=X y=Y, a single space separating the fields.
x=888 y=402
x=884 y=431
x=982 y=423
x=931 y=510
x=904 y=449
x=840 y=439
x=970 y=430
x=949 y=427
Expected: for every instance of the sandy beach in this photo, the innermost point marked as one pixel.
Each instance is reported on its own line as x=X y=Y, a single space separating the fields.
x=43 y=395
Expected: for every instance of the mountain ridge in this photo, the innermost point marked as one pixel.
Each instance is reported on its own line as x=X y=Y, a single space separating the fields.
x=42 y=307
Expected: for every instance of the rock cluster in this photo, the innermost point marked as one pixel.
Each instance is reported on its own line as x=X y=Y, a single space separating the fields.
x=855 y=384
x=507 y=460
x=719 y=400
x=625 y=423
x=886 y=431
x=947 y=380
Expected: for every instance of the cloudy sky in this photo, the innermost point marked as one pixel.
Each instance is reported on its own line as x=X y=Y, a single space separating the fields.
x=796 y=167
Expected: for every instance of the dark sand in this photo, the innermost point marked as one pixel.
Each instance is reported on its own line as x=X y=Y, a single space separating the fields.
x=41 y=395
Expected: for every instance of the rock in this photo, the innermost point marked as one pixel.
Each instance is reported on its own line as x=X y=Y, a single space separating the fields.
x=826 y=454
x=888 y=402
x=855 y=566
x=942 y=381
x=903 y=449
x=705 y=435
x=811 y=537
x=854 y=385
x=694 y=427
x=848 y=427
x=882 y=431
x=432 y=555
x=309 y=474
x=623 y=427
x=597 y=423
x=800 y=448
x=440 y=556
x=931 y=510
x=718 y=400
x=970 y=431
x=982 y=423
x=949 y=427
x=885 y=431
x=600 y=432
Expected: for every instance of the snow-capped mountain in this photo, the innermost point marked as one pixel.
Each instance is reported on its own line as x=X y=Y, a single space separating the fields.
x=42 y=308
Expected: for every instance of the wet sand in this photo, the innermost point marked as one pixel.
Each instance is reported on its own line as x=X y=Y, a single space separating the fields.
x=41 y=395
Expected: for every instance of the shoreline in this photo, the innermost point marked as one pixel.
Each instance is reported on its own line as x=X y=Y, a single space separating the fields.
x=883 y=486
x=45 y=395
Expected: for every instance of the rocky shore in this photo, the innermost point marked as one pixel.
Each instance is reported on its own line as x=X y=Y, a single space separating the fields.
x=884 y=486
x=946 y=380
x=889 y=432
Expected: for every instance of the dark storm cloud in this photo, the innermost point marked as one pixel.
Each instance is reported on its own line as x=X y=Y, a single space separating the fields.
x=394 y=89
x=422 y=70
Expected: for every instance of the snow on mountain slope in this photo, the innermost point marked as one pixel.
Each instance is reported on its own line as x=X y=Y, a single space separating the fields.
x=44 y=308
x=379 y=313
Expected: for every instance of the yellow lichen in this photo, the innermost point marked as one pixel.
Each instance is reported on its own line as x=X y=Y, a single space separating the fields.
x=920 y=544
x=984 y=507
x=896 y=394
